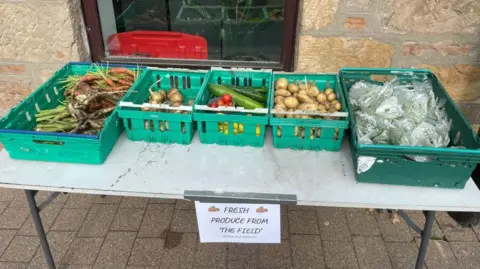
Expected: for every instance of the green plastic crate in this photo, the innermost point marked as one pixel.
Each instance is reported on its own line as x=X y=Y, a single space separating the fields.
x=214 y=128
x=327 y=134
x=161 y=127
x=21 y=142
x=390 y=164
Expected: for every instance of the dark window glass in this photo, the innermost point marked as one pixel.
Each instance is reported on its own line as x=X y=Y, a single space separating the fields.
x=226 y=30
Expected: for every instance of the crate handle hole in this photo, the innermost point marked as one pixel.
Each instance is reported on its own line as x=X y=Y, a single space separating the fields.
x=428 y=159
x=129 y=124
x=49 y=142
x=203 y=127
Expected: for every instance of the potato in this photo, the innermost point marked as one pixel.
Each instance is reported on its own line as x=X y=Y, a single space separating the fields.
x=281 y=84
x=313 y=91
x=284 y=93
x=327 y=105
x=176 y=104
x=319 y=132
x=307 y=106
x=321 y=108
x=328 y=91
x=302 y=86
x=321 y=97
x=279 y=132
x=279 y=99
x=305 y=98
x=280 y=107
x=303 y=92
x=292 y=88
x=296 y=131
x=176 y=98
x=291 y=102
x=171 y=92
x=331 y=96
x=337 y=106
x=290 y=116
x=164 y=93
x=302 y=133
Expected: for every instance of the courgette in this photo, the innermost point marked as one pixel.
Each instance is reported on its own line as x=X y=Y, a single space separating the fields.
x=261 y=89
x=240 y=99
x=257 y=96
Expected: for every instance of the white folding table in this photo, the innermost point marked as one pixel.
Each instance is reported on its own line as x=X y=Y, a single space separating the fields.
x=230 y=174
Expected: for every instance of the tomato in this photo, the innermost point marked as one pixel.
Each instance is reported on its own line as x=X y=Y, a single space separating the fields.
x=229 y=104
x=220 y=102
x=227 y=98
x=213 y=105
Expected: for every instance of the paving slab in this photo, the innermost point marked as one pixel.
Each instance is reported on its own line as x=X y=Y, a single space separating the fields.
x=83 y=251
x=339 y=255
x=275 y=256
x=362 y=222
x=419 y=219
x=108 y=199
x=134 y=202
x=307 y=252
x=6 y=236
x=393 y=232
x=333 y=224
x=47 y=215
x=303 y=222
x=69 y=219
x=20 y=249
x=402 y=255
x=453 y=231
x=157 y=219
x=210 y=255
x=7 y=195
x=79 y=200
x=244 y=255
x=13 y=218
x=115 y=250
x=371 y=252
x=179 y=250
x=59 y=243
x=184 y=204
x=439 y=255
x=98 y=221
x=184 y=221
x=127 y=219
x=13 y=265
x=284 y=226
x=3 y=206
x=147 y=252
x=467 y=254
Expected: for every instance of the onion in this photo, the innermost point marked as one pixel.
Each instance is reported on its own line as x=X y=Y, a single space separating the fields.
x=176 y=98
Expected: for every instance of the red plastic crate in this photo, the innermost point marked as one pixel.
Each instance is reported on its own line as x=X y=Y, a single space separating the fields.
x=158 y=44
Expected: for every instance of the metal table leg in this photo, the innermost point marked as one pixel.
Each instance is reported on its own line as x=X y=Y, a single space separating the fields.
x=426 y=232
x=39 y=226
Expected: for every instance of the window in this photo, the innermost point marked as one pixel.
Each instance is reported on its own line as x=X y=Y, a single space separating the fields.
x=193 y=33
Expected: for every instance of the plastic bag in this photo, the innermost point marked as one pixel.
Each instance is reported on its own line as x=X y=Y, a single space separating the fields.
x=400 y=114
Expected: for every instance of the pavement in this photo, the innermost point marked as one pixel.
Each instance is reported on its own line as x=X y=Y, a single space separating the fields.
x=90 y=231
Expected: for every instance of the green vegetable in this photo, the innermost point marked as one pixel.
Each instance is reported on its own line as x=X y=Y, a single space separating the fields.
x=262 y=89
x=257 y=96
x=240 y=99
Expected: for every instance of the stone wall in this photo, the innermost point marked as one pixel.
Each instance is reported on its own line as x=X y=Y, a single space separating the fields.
x=441 y=35
x=36 y=38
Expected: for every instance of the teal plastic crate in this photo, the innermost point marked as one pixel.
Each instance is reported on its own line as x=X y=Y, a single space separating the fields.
x=319 y=134
x=215 y=128
x=161 y=127
x=392 y=164
x=21 y=142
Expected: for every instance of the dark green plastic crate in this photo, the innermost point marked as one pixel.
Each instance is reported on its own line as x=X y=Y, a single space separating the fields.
x=208 y=122
x=391 y=164
x=331 y=132
x=21 y=142
x=151 y=126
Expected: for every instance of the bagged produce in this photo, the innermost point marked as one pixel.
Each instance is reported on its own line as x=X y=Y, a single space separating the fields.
x=400 y=114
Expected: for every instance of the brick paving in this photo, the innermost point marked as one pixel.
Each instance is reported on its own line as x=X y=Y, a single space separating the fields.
x=94 y=232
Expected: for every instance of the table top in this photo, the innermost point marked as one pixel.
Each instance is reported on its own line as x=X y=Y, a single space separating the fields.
x=170 y=170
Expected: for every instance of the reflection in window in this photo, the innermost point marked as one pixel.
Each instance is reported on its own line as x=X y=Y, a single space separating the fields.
x=245 y=30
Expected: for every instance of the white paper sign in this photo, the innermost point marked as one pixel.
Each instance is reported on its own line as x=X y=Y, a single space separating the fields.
x=238 y=223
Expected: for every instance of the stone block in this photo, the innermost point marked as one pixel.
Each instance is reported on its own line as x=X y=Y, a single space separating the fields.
x=13 y=92
x=420 y=16
x=461 y=81
x=447 y=47
x=315 y=14
x=355 y=23
x=41 y=32
x=328 y=54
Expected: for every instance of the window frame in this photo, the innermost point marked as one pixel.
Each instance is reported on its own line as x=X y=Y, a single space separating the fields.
x=97 y=49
